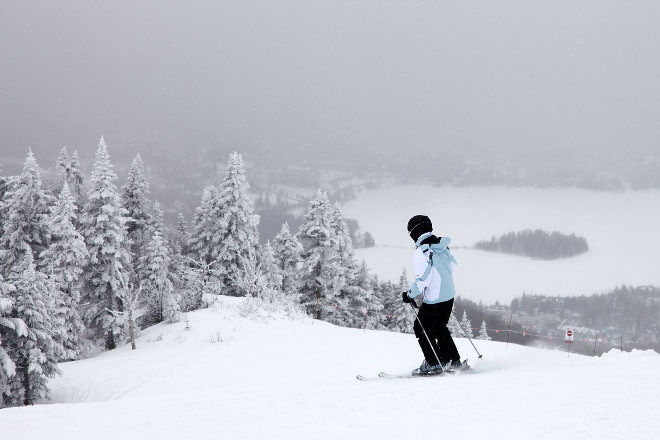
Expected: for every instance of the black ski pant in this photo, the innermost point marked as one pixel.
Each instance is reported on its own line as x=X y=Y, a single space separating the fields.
x=434 y=319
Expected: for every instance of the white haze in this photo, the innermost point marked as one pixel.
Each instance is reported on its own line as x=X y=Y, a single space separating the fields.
x=519 y=79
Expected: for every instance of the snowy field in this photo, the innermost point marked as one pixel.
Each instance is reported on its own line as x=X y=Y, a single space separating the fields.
x=622 y=230
x=227 y=377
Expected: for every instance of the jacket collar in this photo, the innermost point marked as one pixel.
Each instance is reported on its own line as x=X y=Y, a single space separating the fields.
x=423 y=237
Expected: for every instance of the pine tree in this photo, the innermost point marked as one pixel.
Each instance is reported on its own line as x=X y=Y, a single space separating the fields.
x=204 y=241
x=237 y=233
x=158 y=288
x=103 y=225
x=351 y=304
x=454 y=326
x=179 y=262
x=269 y=265
x=400 y=316
x=35 y=354
x=483 y=332
x=180 y=238
x=75 y=178
x=391 y=298
x=197 y=281
x=322 y=273
x=363 y=293
x=287 y=252
x=26 y=207
x=466 y=325
x=11 y=329
x=69 y=170
x=157 y=220
x=64 y=261
x=4 y=187
x=63 y=165
x=358 y=300
x=134 y=200
x=201 y=276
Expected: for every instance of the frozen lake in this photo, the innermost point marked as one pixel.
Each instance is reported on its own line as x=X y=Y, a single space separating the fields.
x=621 y=229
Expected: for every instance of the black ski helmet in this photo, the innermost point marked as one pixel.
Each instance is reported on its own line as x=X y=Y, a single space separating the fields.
x=418 y=225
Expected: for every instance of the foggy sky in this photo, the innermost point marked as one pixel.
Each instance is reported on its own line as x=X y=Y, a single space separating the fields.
x=516 y=77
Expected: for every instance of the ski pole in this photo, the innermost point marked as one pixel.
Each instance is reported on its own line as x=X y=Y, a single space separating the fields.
x=427 y=336
x=469 y=339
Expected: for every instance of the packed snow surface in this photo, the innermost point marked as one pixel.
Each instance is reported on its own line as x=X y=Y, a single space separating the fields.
x=220 y=375
x=621 y=229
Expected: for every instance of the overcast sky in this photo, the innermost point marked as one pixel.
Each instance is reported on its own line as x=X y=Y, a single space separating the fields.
x=515 y=76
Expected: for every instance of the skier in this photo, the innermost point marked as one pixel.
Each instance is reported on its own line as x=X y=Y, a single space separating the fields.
x=435 y=284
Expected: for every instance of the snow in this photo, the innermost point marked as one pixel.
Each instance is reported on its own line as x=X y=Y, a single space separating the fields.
x=226 y=376
x=621 y=229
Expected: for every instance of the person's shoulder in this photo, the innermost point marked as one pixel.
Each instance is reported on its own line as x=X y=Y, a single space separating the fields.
x=444 y=242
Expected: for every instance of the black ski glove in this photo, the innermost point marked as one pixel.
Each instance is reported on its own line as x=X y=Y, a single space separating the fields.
x=409 y=300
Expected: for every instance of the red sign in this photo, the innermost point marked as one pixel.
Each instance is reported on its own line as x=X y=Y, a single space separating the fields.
x=569 y=336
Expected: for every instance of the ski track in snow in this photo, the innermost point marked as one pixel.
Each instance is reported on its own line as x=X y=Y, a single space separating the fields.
x=236 y=378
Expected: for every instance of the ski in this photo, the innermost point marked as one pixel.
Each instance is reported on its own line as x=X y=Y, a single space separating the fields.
x=464 y=368
x=384 y=376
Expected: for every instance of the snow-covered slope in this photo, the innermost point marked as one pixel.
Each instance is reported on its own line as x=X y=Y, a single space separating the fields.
x=228 y=377
x=621 y=229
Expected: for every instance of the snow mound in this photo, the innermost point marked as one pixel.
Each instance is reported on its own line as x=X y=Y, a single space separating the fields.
x=216 y=374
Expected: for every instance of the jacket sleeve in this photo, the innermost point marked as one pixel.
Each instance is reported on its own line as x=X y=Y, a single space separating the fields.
x=423 y=274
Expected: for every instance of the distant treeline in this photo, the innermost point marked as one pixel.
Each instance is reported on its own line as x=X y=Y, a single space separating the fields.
x=478 y=313
x=627 y=316
x=632 y=312
x=537 y=244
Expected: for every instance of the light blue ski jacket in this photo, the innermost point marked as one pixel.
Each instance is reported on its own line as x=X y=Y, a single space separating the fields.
x=434 y=265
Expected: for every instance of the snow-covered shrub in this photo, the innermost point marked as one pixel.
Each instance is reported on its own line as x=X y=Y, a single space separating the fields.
x=262 y=299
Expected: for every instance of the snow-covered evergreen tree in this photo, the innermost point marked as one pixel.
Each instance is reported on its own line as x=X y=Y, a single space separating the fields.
x=68 y=167
x=11 y=329
x=134 y=199
x=177 y=243
x=287 y=253
x=64 y=261
x=253 y=281
x=128 y=296
x=270 y=267
x=454 y=326
x=250 y=278
x=363 y=293
x=391 y=298
x=158 y=289
x=35 y=354
x=361 y=304
x=399 y=316
x=157 y=220
x=237 y=234
x=63 y=164
x=322 y=272
x=204 y=241
x=351 y=304
x=466 y=325
x=198 y=281
x=4 y=187
x=75 y=178
x=26 y=207
x=180 y=238
x=483 y=332
x=103 y=225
